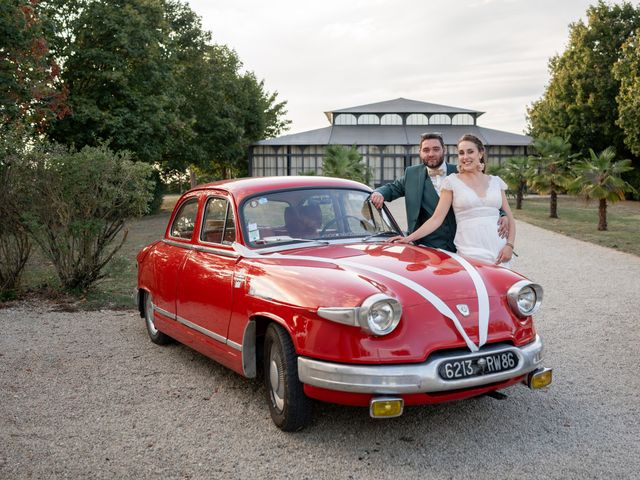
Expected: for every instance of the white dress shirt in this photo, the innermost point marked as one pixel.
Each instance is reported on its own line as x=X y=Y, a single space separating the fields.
x=437 y=179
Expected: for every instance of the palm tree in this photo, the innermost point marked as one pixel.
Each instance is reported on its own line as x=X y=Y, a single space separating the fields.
x=599 y=177
x=550 y=169
x=515 y=173
x=340 y=161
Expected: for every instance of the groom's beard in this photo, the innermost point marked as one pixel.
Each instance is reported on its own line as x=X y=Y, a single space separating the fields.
x=434 y=163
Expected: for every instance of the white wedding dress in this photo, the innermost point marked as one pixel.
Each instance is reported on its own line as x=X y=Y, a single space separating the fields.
x=477 y=218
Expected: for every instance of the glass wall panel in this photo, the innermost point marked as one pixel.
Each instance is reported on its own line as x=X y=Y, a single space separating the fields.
x=315 y=149
x=258 y=150
x=296 y=159
x=257 y=167
x=391 y=119
x=374 y=161
x=297 y=163
x=260 y=154
x=462 y=119
x=345 y=119
x=417 y=119
x=414 y=156
x=452 y=154
x=393 y=168
x=399 y=149
x=439 y=119
x=368 y=119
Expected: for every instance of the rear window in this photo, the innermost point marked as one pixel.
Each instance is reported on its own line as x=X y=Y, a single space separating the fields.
x=185 y=220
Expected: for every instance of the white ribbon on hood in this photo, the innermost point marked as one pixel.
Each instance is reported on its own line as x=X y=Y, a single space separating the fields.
x=428 y=295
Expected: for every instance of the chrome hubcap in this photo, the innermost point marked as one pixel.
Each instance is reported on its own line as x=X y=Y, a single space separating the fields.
x=276 y=381
x=149 y=310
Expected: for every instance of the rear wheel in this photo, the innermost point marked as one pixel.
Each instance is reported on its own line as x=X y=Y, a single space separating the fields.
x=155 y=335
x=290 y=408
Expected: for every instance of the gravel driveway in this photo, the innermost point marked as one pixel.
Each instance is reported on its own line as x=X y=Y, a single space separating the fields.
x=87 y=395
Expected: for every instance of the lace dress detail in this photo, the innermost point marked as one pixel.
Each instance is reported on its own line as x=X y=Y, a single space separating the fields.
x=477 y=218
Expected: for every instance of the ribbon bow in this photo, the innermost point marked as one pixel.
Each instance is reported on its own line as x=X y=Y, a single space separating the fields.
x=435 y=172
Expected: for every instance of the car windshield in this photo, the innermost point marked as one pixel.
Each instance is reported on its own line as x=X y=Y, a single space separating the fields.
x=312 y=216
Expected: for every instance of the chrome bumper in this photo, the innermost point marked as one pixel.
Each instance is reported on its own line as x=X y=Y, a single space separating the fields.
x=412 y=378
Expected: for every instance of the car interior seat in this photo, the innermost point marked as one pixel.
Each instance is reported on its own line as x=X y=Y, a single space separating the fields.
x=303 y=221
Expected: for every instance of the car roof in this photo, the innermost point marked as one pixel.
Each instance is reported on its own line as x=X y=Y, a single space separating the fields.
x=242 y=187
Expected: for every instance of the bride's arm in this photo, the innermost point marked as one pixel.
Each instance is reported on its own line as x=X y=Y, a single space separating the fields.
x=507 y=251
x=446 y=198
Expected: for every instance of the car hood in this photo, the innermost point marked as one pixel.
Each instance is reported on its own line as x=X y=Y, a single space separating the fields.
x=342 y=275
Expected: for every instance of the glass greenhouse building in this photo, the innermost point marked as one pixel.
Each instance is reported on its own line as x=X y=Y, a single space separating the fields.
x=386 y=134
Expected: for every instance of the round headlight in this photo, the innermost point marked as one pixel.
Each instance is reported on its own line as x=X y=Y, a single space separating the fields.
x=525 y=298
x=379 y=314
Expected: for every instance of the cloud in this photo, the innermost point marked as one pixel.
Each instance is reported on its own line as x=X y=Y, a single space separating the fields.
x=320 y=55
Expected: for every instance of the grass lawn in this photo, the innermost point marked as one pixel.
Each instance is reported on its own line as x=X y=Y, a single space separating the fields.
x=579 y=219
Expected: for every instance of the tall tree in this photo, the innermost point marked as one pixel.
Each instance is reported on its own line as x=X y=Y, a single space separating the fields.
x=30 y=88
x=515 y=173
x=144 y=75
x=627 y=72
x=599 y=177
x=228 y=110
x=580 y=100
x=549 y=171
x=120 y=87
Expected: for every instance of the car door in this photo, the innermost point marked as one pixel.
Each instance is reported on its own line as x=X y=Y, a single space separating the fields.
x=205 y=289
x=170 y=255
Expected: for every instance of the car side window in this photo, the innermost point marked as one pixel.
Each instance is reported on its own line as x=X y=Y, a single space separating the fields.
x=218 y=225
x=185 y=220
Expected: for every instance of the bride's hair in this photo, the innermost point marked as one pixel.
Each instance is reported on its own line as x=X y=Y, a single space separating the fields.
x=478 y=143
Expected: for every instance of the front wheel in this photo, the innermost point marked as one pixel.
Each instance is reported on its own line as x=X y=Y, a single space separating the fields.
x=155 y=335
x=290 y=408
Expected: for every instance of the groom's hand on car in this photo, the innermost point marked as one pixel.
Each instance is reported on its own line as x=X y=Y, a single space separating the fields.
x=377 y=199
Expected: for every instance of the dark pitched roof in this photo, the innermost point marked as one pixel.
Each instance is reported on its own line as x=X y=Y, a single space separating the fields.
x=403 y=105
x=395 y=135
x=319 y=136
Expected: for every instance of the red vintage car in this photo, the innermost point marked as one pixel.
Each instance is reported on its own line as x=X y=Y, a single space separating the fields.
x=292 y=277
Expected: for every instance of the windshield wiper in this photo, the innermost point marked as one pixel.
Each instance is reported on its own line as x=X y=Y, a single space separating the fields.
x=386 y=233
x=283 y=240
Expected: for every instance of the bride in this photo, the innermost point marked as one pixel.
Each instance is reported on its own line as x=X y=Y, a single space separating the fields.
x=476 y=199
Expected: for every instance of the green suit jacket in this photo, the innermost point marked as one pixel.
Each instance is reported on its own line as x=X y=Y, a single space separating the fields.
x=411 y=186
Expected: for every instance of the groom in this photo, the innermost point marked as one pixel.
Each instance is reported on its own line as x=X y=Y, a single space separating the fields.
x=420 y=188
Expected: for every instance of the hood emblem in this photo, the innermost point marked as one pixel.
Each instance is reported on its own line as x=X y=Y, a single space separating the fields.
x=463 y=309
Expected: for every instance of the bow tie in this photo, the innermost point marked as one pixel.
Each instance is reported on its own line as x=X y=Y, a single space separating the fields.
x=435 y=172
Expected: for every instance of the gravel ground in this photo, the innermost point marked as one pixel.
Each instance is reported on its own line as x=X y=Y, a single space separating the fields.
x=87 y=395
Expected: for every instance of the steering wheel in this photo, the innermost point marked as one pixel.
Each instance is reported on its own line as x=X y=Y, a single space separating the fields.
x=335 y=222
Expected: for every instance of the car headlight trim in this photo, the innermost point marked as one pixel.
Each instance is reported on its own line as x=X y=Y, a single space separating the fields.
x=379 y=314
x=525 y=298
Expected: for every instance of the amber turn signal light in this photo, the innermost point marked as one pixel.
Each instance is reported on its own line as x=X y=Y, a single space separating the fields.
x=540 y=378
x=385 y=407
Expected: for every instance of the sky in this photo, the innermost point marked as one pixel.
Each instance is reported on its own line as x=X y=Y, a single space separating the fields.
x=324 y=55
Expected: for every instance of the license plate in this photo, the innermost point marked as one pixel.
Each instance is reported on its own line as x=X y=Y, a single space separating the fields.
x=457 y=369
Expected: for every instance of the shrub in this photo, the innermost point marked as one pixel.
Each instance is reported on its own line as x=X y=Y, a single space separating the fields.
x=80 y=201
x=15 y=245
